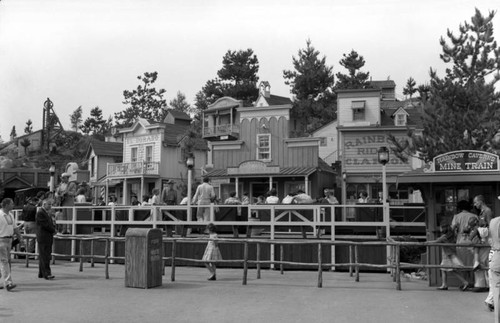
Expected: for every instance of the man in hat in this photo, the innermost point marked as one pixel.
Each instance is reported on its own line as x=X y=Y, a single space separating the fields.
x=65 y=194
x=169 y=197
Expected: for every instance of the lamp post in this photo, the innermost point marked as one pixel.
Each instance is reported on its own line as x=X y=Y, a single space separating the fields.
x=383 y=158
x=52 y=171
x=190 y=165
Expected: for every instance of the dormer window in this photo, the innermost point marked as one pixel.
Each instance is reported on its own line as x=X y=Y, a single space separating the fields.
x=358 y=110
x=400 y=117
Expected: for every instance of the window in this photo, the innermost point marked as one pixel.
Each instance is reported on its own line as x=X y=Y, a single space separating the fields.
x=149 y=154
x=133 y=154
x=322 y=141
x=400 y=119
x=264 y=147
x=358 y=110
x=92 y=167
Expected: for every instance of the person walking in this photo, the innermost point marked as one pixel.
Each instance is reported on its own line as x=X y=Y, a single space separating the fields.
x=212 y=251
x=203 y=196
x=45 y=232
x=480 y=275
x=7 y=231
x=169 y=197
x=494 y=271
x=29 y=216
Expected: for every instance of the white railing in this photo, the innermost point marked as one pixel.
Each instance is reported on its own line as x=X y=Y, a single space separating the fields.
x=336 y=221
x=133 y=168
x=224 y=129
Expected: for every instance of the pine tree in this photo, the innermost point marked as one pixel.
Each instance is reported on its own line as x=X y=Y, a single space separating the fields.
x=95 y=124
x=29 y=127
x=13 y=133
x=76 y=118
x=311 y=82
x=179 y=103
x=144 y=102
x=462 y=112
x=410 y=87
x=355 y=79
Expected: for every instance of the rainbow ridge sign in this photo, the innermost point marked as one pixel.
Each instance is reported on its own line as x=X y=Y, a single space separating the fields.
x=466 y=161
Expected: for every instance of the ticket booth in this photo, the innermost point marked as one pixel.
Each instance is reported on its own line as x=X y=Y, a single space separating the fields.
x=451 y=177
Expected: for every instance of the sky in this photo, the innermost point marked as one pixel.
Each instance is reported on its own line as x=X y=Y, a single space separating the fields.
x=87 y=52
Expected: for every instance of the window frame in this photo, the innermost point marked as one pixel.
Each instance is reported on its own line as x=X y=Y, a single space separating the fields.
x=147 y=158
x=134 y=154
x=260 y=149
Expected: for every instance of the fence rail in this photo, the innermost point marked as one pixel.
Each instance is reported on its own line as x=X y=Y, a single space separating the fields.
x=395 y=266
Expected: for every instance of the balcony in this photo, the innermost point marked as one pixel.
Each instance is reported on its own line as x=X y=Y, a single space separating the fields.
x=133 y=169
x=219 y=132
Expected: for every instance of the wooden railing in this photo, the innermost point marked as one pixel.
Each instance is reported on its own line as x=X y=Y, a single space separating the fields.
x=395 y=266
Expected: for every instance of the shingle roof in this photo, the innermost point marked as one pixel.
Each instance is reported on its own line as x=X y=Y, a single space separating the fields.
x=179 y=115
x=277 y=100
x=103 y=148
x=383 y=84
x=414 y=117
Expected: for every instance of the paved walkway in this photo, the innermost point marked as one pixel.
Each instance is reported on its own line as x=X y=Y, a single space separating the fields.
x=293 y=297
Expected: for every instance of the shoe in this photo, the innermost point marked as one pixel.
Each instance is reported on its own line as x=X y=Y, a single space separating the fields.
x=479 y=289
x=50 y=277
x=442 y=288
x=466 y=287
x=490 y=307
x=212 y=278
x=10 y=287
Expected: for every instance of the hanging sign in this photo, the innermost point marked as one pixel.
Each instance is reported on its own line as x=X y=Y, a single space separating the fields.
x=466 y=161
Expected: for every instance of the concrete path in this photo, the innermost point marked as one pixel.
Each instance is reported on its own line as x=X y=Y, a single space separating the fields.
x=293 y=297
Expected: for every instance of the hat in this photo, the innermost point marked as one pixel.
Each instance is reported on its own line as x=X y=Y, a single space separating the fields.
x=65 y=175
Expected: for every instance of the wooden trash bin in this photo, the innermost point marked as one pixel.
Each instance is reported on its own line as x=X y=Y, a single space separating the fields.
x=143 y=258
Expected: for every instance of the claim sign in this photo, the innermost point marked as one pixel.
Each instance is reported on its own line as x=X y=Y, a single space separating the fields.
x=466 y=160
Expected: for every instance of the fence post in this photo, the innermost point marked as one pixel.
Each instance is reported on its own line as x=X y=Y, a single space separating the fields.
x=272 y=246
x=172 y=275
x=73 y=231
x=258 y=260
x=113 y=228
x=81 y=254
x=281 y=258
x=27 y=243
x=92 y=253
x=393 y=259
x=350 y=260
x=320 y=265
x=428 y=259
x=106 y=258
x=356 y=261
x=398 y=273
x=245 y=263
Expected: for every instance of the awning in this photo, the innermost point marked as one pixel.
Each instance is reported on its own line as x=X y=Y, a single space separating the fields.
x=283 y=172
x=420 y=176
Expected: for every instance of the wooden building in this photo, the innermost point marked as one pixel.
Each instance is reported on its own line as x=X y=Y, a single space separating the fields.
x=252 y=151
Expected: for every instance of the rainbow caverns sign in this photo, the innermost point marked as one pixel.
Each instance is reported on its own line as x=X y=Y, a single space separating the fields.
x=466 y=160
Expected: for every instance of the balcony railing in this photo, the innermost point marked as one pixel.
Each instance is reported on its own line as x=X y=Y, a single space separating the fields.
x=221 y=130
x=134 y=168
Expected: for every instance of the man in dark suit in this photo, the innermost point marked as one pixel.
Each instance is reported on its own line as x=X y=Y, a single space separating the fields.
x=45 y=230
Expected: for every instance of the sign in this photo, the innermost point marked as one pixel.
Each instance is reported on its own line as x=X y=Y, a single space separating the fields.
x=253 y=167
x=142 y=139
x=466 y=161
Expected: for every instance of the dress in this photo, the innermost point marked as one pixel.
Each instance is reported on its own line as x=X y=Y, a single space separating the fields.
x=212 y=252
x=448 y=254
x=460 y=222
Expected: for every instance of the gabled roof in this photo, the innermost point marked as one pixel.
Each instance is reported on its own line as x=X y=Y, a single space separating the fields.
x=104 y=148
x=277 y=100
x=414 y=117
x=386 y=84
x=400 y=110
x=179 y=115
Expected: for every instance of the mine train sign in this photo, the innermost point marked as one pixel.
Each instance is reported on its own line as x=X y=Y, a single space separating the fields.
x=466 y=161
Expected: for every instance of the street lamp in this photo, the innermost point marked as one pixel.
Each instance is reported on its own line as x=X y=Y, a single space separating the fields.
x=190 y=165
x=383 y=158
x=52 y=171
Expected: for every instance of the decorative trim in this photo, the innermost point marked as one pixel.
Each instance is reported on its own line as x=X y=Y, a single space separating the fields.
x=227 y=145
x=302 y=142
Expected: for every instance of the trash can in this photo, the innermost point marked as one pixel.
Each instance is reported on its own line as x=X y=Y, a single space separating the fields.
x=143 y=258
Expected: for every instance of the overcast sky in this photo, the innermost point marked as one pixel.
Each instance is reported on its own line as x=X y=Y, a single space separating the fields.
x=86 y=52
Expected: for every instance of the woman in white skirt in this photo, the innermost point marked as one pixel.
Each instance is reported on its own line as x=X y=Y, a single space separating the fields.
x=212 y=251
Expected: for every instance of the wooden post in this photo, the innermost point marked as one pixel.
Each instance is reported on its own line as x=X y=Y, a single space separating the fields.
x=172 y=275
x=52 y=253
x=393 y=260
x=320 y=270
x=245 y=263
x=356 y=262
x=398 y=269
x=350 y=260
x=26 y=252
x=428 y=259
x=106 y=259
x=81 y=255
x=258 y=260
x=92 y=253
x=281 y=258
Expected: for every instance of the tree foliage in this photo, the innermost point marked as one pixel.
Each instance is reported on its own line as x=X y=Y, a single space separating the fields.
x=144 y=102
x=410 y=87
x=13 y=133
x=25 y=143
x=76 y=118
x=29 y=127
x=355 y=79
x=462 y=112
x=96 y=124
x=312 y=83
x=179 y=103
x=237 y=79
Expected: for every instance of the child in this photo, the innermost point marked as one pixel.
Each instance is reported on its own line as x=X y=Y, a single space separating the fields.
x=449 y=258
x=478 y=235
x=212 y=251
